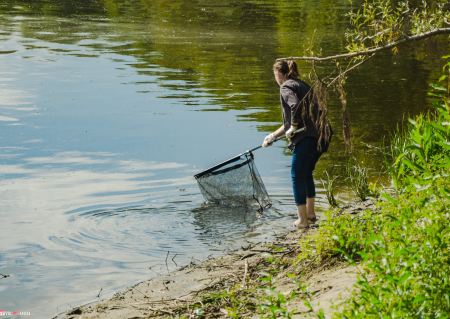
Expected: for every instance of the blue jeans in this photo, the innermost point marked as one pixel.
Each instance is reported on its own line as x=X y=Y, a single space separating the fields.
x=304 y=161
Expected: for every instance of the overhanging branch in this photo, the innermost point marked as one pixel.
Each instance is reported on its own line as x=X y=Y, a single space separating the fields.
x=375 y=50
x=348 y=70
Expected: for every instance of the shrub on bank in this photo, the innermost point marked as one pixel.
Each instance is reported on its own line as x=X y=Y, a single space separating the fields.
x=403 y=251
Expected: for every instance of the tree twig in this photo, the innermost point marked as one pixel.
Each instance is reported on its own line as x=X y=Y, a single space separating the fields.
x=152 y=309
x=98 y=296
x=317 y=74
x=174 y=260
x=166 y=262
x=161 y=310
x=154 y=266
x=245 y=274
x=348 y=70
x=375 y=50
x=134 y=288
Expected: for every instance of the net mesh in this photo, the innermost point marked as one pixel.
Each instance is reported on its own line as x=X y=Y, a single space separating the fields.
x=235 y=182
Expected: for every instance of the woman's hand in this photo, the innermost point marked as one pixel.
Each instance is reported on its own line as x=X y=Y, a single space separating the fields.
x=268 y=141
x=290 y=133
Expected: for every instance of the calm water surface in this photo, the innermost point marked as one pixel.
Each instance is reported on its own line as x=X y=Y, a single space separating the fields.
x=109 y=107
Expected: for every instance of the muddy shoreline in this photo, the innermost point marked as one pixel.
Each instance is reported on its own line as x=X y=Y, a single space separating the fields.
x=171 y=295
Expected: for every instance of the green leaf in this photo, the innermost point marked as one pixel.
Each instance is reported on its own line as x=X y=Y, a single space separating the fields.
x=434 y=94
x=400 y=171
x=375 y=301
x=437 y=105
x=419 y=298
x=390 y=216
x=293 y=294
x=442 y=78
x=270 y=292
x=438 y=87
x=408 y=163
x=274 y=308
x=423 y=188
x=439 y=127
x=419 y=167
x=445 y=145
x=417 y=150
x=404 y=278
x=389 y=198
x=308 y=304
x=399 y=158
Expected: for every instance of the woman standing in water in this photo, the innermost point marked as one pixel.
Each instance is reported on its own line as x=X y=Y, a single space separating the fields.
x=300 y=110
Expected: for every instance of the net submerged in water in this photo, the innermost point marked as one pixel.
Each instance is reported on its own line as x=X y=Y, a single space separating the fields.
x=235 y=182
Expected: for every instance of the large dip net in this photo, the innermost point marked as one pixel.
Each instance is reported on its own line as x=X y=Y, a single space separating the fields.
x=235 y=182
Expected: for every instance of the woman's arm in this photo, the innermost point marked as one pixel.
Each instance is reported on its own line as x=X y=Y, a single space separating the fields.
x=279 y=132
x=268 y=141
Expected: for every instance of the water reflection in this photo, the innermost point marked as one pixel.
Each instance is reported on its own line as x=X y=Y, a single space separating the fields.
x=38 y=201
x=223 y=224
x=222 y=52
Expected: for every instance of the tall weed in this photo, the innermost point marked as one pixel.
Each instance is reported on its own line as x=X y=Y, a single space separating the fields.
x=330 y=185
x=357 y=179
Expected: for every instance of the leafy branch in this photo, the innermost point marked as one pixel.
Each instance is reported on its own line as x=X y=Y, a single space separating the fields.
x=380 y=25
x=370 y=52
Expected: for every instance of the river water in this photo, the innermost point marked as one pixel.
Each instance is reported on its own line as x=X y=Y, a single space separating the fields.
x=109 y=107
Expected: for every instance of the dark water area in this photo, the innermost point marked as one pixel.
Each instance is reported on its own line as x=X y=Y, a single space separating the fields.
x=109 y=107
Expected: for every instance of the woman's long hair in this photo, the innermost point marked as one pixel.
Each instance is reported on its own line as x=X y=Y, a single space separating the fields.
x=319 y=115
x=288 y=69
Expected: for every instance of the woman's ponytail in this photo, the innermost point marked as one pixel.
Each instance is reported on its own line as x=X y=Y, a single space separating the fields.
x=293 y=70
x=288 y=68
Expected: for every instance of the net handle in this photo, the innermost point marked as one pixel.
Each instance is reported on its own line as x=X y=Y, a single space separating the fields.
x=277 y=139
x=234 y=159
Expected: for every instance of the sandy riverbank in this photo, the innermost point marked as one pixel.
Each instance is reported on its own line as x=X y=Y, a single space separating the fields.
x=174 y=294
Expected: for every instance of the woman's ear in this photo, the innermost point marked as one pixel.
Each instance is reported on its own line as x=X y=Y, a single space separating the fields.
x=280 y=78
